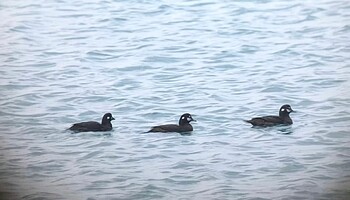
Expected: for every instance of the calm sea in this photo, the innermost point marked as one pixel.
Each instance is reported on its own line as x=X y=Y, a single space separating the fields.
x=148 y=62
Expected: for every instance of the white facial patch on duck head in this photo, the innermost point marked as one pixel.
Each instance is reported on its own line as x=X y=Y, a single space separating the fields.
x=286 y=109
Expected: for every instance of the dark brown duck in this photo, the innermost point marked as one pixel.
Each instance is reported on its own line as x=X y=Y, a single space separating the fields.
x=282 y=119
x=184 y=125
x=106 y=125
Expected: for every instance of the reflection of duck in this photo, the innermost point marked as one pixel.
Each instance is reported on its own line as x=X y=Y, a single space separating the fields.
x=283 y=118
x=106 y=125
x=184 y=125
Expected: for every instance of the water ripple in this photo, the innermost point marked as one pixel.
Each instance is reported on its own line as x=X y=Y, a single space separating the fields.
x=147 y=63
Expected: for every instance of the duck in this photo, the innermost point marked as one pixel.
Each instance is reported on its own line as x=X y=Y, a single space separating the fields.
x=282 y=119
x=93 y=126
x=183 y=126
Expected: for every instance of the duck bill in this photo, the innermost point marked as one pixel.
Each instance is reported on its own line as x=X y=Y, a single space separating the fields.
x=290 y=110
x=112 y=118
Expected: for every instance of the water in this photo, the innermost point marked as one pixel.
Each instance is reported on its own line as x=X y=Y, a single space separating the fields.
x=149 y=62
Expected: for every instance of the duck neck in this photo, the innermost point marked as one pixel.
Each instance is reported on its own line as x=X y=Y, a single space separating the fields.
x=283 y=114
x=183 y=122
x=105 y=122
x=285 y=117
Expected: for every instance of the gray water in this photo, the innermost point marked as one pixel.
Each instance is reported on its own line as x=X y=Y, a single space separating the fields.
x=148 y=62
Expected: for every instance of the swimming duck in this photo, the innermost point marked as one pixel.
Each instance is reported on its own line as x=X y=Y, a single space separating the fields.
x=283 y=118
x=106 y=125
x=184 y=125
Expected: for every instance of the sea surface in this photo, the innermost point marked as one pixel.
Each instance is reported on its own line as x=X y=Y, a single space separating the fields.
x=148 y=62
